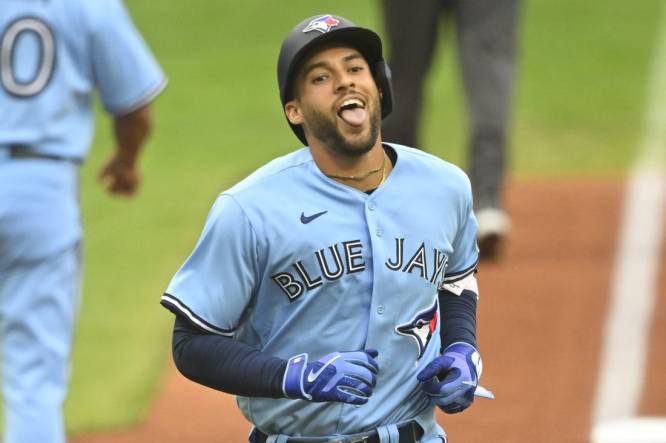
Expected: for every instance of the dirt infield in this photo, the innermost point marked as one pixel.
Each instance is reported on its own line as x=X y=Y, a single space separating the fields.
x=540 y=321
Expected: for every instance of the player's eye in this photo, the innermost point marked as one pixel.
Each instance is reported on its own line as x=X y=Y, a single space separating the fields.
x=319 y=78
x=357 y=68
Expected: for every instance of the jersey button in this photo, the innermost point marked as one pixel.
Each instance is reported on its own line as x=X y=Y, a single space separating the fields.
x=371 y=206
x=379 y=232
x=380 y=309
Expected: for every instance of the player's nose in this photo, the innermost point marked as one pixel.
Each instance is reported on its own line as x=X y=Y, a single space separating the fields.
x=344 y=82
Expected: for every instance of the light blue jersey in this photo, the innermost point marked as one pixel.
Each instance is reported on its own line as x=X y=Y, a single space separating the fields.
x=291 y=261
x=53 y=55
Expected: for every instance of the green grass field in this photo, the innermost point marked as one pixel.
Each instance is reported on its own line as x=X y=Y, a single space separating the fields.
x=578 y=110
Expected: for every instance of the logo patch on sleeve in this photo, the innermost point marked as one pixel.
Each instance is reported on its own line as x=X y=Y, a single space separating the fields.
x=421 y=327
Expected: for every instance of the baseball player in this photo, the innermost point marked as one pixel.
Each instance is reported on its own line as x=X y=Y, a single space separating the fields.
x=53 y=55
x=333 y=290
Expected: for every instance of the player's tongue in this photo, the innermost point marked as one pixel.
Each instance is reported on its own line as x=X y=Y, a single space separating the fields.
x=353 y=116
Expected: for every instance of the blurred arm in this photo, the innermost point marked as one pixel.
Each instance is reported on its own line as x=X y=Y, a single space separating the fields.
x=120 y=174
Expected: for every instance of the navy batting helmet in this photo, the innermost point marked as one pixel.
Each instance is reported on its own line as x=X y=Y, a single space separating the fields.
x=328 y=28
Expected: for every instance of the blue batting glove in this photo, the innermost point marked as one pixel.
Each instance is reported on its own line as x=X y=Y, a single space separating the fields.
x=451 y=379
x=346 y=377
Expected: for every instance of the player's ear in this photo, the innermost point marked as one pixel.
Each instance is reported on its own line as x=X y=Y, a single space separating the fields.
x=293 y=112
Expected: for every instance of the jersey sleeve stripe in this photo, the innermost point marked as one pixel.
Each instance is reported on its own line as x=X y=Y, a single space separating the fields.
x=176 y=306
x=456 y=276
x=146 y=99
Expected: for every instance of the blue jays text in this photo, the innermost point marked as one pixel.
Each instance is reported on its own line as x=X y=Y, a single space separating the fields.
x=294 y=284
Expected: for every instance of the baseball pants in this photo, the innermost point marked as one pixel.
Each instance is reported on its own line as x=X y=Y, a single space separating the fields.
x=39 y=292
x=486 y=32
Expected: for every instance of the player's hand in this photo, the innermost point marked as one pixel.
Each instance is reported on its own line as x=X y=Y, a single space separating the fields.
x=119 y=176
x=347 y=377
x=451 y=379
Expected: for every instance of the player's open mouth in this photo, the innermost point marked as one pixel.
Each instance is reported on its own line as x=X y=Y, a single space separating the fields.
x=353 y=112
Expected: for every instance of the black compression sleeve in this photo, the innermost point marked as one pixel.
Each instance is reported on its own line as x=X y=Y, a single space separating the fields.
x=225 y=364
x=458 y=318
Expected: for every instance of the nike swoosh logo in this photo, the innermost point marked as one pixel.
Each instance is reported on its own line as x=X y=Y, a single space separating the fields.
x=312 y=376
x=305 y=219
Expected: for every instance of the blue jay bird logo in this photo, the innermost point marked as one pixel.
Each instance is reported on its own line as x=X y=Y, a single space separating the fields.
x=421 y=327
x=322 y=24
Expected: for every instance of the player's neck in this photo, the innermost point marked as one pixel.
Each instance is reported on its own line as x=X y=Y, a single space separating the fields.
x=363 y=172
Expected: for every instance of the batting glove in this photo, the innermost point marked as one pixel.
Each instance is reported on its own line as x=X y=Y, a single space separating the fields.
x=451 y=379
x=346 y=377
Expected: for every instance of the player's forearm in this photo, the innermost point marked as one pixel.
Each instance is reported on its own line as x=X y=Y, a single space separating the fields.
x=131 y=132
x=225 y=364
x=458 y=318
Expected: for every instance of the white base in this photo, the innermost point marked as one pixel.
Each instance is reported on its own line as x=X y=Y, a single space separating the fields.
x=631 y=430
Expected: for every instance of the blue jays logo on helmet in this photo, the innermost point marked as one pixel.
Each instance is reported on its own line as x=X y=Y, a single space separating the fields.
x=322 y=24
x=421 y=327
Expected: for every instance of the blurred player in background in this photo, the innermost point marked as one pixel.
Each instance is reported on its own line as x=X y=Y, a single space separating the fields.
x=486 y=52
x=53 y=56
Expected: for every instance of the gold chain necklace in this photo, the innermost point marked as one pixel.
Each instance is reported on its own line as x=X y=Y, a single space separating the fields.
x=359 y=178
